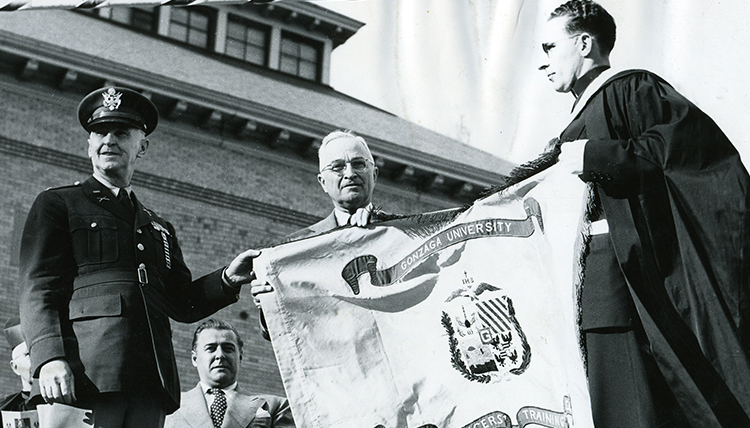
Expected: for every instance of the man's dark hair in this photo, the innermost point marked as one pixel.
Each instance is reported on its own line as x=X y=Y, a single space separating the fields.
x=216 y=325
x=588 y=16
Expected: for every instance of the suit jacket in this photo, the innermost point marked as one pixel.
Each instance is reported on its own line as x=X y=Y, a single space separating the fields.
x=328 y=223
x=676 y=197
x=244 y=411
x=99 y=285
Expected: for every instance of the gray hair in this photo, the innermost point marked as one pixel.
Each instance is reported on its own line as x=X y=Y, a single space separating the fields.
x=346 y=133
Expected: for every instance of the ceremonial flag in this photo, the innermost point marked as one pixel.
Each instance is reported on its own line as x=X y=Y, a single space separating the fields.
x=458 y=318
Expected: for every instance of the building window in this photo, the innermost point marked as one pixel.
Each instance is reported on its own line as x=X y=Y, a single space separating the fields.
x=143 y=19
x=299 y=56
x=246 y=40
x=190 y=25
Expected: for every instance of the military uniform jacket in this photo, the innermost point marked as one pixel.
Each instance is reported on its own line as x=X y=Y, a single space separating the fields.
x=99 y=285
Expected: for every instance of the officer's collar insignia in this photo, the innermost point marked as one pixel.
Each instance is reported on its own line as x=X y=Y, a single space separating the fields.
x=102 y=198
x=111 y=99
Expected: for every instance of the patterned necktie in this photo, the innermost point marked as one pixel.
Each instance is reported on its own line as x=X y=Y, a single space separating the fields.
x=124 y=199
x=218 y=407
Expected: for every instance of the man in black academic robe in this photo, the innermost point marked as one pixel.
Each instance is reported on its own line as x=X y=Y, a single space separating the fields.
x=664 y=299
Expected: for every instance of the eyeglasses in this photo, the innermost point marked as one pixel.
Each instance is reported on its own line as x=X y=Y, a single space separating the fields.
x=546 y=47
x=339 y=166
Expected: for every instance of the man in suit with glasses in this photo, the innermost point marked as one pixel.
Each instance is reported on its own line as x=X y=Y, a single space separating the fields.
x=347 y=174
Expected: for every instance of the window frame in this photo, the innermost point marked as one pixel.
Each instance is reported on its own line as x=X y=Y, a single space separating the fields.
x=210 y=31
x=300 y=42
x=248 y=24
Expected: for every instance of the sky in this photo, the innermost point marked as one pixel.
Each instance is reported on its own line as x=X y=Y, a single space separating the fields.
x=468 y=69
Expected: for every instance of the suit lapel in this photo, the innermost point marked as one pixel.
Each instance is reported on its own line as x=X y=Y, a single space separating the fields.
x=241 y=411
x=193 y=408
x=102 y=196
x=328 y=223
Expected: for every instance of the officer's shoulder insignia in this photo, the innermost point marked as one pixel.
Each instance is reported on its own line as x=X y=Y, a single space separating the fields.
x=65 y=186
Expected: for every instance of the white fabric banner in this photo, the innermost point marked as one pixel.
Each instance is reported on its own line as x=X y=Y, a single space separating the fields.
x=450 y=319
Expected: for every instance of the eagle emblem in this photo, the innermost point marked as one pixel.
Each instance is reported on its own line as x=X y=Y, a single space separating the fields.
x=111 y=99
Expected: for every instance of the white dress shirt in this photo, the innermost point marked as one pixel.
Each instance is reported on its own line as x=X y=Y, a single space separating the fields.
x=230 y=392
x=342 y=217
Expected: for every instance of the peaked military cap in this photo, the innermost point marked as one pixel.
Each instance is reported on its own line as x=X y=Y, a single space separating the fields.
x=12 y=331
x=118 y=105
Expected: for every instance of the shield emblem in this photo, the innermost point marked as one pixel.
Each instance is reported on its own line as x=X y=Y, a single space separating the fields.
x=486 y=341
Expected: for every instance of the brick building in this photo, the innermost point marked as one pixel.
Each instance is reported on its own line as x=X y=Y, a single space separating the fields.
x=244 y=96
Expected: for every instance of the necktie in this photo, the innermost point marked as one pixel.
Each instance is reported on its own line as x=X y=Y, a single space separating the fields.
x=218 y=407
x=124 y=199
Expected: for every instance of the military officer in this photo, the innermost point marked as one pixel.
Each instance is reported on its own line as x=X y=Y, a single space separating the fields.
x=102 y=275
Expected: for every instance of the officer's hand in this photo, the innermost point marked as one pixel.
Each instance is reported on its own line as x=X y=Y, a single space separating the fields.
x=240 y=271
x=257 y=287
x=571 y=157
x=56 y=382
x=361 y=217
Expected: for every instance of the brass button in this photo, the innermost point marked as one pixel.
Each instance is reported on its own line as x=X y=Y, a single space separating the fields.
x=140 y=246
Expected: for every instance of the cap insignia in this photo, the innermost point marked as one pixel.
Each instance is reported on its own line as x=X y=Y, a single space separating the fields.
x=111 y=99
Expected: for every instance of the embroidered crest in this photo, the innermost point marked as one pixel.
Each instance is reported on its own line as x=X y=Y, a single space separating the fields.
x=111 y=99
x=485 y=339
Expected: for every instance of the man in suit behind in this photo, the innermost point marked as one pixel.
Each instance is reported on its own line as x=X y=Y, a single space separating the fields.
x=101 y=276
x=217 y=401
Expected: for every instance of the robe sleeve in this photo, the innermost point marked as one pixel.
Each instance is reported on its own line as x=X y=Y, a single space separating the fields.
x=656 y=128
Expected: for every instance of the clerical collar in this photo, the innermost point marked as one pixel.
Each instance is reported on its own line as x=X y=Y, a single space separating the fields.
x=115 y=190
x=342 y=217
x=584 y=81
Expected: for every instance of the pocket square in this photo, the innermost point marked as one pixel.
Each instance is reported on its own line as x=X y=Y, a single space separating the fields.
x=262 y=418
